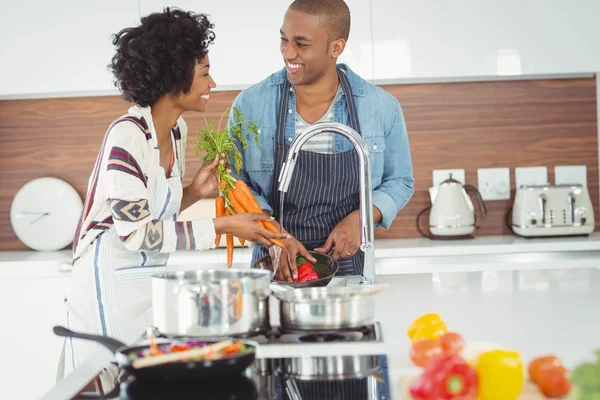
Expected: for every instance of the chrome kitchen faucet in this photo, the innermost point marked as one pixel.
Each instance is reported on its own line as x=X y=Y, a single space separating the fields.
x=367 y=236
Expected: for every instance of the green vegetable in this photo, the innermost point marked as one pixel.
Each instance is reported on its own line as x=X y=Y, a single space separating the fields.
x=223 y=140
x=300 y=260
x=586 y=380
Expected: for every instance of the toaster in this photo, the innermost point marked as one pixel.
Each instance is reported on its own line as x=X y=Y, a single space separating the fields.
x=548 y=210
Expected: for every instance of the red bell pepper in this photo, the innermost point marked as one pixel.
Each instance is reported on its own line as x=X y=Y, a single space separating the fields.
x=306 y=273
x=446 y=377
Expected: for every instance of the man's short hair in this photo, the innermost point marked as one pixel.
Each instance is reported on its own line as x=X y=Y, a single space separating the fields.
x=335 y=14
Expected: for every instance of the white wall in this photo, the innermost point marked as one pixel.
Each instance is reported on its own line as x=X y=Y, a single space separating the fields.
x=62 y=47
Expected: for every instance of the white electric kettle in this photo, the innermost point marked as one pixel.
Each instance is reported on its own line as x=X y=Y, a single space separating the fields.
x=452 y=213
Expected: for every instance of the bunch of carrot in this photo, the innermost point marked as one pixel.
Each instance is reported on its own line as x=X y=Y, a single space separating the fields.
x=234 y=195
x=236 y=198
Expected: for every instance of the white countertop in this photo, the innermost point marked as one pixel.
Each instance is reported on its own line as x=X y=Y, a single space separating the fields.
x=533 y=311
x=394 y=255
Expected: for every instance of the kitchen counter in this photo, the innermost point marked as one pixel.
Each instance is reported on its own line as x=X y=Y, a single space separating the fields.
x=533 y=311
x=395 y=256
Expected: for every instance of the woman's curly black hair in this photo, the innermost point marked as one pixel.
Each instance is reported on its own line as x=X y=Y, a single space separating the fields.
x=159 y=56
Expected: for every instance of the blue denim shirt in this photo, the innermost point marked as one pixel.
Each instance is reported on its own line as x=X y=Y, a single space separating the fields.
x=382 y=126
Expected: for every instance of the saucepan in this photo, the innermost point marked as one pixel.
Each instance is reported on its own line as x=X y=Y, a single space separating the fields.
x=324 y=308
x=214 y=302
x=326 y=267
x=184 y=357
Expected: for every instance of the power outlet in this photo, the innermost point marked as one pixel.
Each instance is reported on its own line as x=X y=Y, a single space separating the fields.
x=531 y=176
x=440 y=175
x=494 y=183
x=570 y=175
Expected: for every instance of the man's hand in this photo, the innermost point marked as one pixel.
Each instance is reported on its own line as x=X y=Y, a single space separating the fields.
x=287 y=270
x=344 y=239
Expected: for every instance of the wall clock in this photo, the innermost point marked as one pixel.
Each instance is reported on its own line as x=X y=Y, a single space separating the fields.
x=44 y=214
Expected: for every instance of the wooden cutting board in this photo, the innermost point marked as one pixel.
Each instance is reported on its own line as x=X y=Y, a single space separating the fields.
x=530 y=390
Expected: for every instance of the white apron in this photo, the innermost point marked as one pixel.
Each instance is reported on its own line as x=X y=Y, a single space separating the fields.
x=111 y=286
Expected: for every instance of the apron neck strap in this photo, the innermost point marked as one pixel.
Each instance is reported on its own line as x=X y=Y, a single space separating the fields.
x=283 y=107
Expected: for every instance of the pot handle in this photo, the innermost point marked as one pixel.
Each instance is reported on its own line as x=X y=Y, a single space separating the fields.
x=112 y=344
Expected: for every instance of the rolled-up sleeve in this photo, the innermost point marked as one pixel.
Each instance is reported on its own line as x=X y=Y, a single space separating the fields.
x=397 y=186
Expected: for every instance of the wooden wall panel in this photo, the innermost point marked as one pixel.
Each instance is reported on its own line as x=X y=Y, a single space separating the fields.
x=451 y=125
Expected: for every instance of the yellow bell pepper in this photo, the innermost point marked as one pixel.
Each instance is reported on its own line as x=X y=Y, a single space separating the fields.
x=500 y=374
x=427 y=326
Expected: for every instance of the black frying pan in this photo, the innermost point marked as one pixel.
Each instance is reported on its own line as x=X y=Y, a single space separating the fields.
x=233 y=365
x=326 y=267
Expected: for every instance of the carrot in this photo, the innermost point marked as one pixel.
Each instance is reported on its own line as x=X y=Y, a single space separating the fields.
x=239 y=202
x=229 y=241
x=232 y=348
x=243 y=194
x=243 y=188
x=154 y=347
x=220 y=210
x=239 y=208
x=242 y=241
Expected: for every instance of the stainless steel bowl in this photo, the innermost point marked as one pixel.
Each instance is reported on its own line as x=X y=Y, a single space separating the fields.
x=325 y=308
x=211 y=302
x=326 y=267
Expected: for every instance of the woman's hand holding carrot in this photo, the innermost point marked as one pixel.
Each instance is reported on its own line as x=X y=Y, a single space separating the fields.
x=246 y=226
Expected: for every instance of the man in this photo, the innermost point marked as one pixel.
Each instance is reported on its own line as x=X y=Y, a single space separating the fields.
x=321 y=209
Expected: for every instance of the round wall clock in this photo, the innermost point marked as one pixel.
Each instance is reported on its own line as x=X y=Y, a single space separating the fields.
x=44 y=214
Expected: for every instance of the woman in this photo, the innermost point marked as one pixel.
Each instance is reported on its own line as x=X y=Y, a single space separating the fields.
x=128 y=225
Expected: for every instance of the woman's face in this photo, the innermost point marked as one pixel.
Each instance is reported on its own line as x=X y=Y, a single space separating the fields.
x=202 y=84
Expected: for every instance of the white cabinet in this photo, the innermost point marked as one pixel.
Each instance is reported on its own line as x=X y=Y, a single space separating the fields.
x=246 y=47
x=29 y=307
x=470 y=38
x=60 y=46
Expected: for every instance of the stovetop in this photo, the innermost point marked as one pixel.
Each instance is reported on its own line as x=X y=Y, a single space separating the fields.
x=255 y=384
x=277 y=335
x=270 y=379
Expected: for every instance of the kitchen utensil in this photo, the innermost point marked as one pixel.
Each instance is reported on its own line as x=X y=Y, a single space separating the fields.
x=220 y=388
x=326 y=267
x=232 y=365
x=325 y=308
x=221 y=302
x=452 y=213
x=552 y=210
x=330 y=368
x=374 y=290
x=224 y=302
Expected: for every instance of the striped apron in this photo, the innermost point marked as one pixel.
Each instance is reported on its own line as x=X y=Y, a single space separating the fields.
x=324 y=188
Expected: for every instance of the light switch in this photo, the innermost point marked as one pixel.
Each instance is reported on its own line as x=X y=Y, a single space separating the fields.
x=440 y=175
x=570 y=175
x=494 y=183
x=531 y=176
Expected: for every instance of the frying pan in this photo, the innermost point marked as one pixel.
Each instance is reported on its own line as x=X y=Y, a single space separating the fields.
x=231 y=365
x=326 y=267
x=235 y=387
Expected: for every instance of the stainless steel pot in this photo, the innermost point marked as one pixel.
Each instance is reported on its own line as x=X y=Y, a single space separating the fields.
x=325 y=308
x=211 y=302
x=330 y=368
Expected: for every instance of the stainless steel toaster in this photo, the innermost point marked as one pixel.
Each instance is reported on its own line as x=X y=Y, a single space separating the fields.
x=548 y=210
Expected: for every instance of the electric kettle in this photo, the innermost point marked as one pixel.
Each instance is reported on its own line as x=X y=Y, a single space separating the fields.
x=452 y=213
